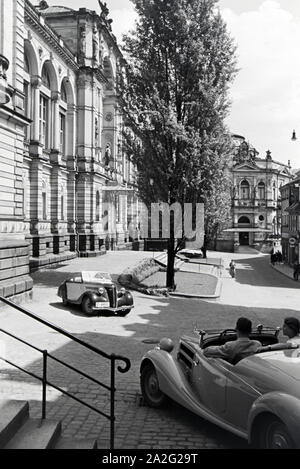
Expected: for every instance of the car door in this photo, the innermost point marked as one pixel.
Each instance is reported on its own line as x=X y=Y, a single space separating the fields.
x=75 y=288
x=240 y=395
x=209 y=382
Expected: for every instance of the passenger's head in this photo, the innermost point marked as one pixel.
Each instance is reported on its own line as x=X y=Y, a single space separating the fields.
x=243 y=327
x=291 y=327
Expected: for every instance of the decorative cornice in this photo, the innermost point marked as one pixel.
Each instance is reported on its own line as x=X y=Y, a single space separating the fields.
x=37 y=22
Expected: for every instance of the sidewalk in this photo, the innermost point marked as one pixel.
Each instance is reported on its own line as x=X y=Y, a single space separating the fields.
x=285 y=269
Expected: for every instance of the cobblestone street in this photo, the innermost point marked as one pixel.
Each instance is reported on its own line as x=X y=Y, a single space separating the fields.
x=258 y=291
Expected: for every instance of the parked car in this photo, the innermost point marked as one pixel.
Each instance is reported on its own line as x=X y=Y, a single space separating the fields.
x=95 y=292
x=191 y=253
x=258 y=398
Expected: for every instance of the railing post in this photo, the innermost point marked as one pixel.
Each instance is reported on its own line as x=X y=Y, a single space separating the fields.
x=44 y=399
x=112 y=402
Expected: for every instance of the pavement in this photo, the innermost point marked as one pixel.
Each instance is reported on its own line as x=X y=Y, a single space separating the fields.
x=286 y=270
x=258 y=292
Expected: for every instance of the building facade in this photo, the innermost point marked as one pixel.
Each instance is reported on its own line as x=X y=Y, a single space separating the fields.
x=256 y=200
x=290 y=229
x=66 y=186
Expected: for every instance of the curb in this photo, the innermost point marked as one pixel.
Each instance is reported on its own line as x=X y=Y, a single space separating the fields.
x=212 y=297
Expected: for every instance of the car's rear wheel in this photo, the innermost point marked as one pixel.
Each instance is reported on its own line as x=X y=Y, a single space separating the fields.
x=275 y=435
x=87 y=306
x=153 y=396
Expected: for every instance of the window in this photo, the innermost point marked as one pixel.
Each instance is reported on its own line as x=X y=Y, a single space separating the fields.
x=45 y=77
x=63 y=94
x=244 y=220
x=44 y=205
x=261 y=218
x=62 y=127
x=44 y=121
x=245 y=190
x=97 y=206
x=261 y=190
x=62 y=216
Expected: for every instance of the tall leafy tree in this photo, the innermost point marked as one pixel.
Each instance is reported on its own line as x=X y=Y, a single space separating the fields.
x=181 y=61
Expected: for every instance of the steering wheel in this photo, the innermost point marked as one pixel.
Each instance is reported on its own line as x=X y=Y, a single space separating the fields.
x=226 y=331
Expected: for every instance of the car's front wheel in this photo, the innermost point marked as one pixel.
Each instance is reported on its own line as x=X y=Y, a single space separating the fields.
x=275 y=435
x=153 y=396
x=87 y=306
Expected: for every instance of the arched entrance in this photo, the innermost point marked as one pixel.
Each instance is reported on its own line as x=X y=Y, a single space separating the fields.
x=244 y=222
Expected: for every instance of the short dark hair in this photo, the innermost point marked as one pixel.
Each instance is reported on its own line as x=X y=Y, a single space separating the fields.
x=293 y=323
x=244 y=325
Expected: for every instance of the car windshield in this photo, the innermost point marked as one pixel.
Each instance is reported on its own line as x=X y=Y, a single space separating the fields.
x=96 y=277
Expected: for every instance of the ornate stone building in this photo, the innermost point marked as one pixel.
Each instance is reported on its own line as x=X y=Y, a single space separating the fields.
x=256 y=201
x=290 y=229
x=66 y=186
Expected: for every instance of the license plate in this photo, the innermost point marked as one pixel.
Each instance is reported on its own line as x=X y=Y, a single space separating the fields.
x=103 y=304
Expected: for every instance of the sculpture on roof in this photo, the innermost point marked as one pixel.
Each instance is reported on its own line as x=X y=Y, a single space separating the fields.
x=104 y=14
x=104 y=10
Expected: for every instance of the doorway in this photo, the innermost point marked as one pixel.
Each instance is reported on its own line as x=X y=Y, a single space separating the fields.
x=244 y=239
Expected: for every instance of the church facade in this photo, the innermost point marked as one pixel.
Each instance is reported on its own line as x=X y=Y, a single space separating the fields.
x=66 y=185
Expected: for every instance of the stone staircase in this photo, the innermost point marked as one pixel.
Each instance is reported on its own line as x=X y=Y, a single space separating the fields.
x=19 y=431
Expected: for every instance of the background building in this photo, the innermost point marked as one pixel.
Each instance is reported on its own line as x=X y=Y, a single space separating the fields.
x=66 y=186
x=256 y=199
x=291 y=221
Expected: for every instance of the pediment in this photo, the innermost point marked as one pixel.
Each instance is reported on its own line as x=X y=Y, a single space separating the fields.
x=246 y=167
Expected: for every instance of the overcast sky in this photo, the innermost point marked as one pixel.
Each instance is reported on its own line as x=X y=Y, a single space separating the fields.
x=266 y=93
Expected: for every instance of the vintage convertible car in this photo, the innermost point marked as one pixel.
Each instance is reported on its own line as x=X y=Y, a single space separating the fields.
x=258 y=398
x=95 y=291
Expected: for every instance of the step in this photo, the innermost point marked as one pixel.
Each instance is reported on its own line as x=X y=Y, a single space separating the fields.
x=13 y=414
x=64 y=443
x=36 y=434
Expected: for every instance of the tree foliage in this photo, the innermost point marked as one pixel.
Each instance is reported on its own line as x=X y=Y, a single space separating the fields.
x=181 y=61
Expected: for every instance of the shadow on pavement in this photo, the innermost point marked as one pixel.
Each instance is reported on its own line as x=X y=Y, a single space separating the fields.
x=173 y=426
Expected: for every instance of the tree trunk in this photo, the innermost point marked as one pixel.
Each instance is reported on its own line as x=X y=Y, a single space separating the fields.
x=171 y=262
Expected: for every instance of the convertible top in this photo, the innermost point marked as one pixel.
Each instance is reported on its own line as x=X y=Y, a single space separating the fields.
x=96 y=277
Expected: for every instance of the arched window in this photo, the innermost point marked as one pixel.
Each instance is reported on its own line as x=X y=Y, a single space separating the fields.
x=63 y=93
x=97 y=206
x=261 y=190
x=45 y=108
x=244 y=220
x=46 y=77
x=245 y=189
x=27 y=93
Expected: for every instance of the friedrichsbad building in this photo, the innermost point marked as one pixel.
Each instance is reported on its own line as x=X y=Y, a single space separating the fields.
x=256 y=199
x=66 y=186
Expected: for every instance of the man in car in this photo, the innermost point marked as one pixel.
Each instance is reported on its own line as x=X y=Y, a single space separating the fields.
x=235 y=350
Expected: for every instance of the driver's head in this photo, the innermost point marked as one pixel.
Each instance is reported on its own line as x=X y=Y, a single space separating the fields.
x=243 y=327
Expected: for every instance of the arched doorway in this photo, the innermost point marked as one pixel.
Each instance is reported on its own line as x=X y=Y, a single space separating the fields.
x=244 y=222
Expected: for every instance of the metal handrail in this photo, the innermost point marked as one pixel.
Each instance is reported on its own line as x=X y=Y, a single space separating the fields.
x=113 y=358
